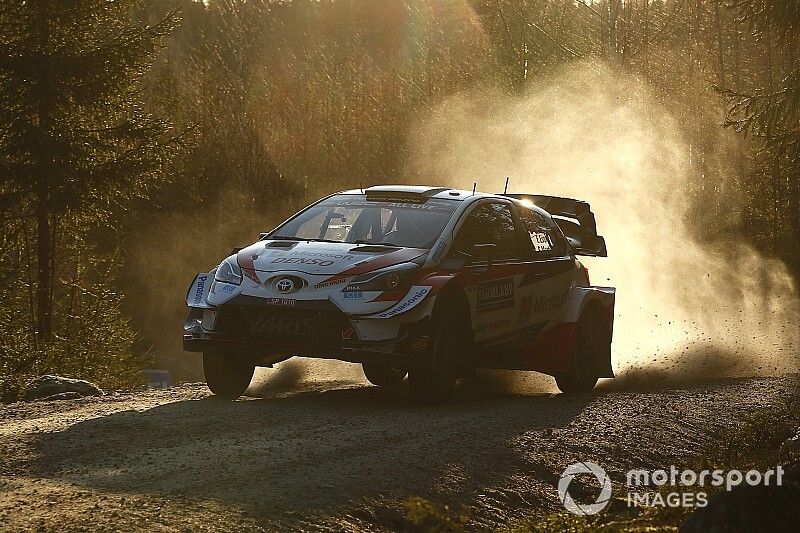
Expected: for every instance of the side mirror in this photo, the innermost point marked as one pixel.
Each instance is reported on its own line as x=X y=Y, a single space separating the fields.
x=479 y=251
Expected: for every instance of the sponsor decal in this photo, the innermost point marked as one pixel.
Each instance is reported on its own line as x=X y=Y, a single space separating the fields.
x=495 y=295
x=420 y=344
x=416 y=295
x=430 y=205
x=493 y=325
x=303 y=261
x=280 y=301
x=547 y=303
x=324 y=254
x=227 y=287
x=525 y=309
x=198 y=292
x=347 y=333
x=353 y=295
x=328 y=283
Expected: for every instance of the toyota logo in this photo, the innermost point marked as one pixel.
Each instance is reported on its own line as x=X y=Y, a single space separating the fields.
x=284 y=285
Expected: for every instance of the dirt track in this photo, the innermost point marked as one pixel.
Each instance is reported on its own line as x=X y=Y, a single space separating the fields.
x=335 y=455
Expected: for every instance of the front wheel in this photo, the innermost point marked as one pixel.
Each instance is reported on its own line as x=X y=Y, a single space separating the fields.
x=591 y=343
x=433 y=374
x=227 y=375
x=383 y=374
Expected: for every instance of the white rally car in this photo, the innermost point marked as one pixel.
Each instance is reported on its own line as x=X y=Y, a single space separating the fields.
x=428 y=282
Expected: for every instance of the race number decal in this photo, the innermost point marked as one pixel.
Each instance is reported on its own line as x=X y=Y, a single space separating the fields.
x=541 y=242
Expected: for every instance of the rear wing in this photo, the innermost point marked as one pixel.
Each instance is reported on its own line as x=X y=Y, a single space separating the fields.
x=575 y=219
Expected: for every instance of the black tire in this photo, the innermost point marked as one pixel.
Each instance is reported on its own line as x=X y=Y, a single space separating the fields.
x=383 y=374
x=227 y=375
x=592 y=342
x=434 y=373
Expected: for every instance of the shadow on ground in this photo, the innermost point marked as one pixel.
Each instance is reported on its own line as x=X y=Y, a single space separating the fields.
x=311 y=451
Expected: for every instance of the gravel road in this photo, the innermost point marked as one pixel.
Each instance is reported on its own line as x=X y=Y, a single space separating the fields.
x=341 y=455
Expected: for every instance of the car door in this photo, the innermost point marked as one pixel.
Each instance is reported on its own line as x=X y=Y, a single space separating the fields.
x=491 y=274
x=551 y=275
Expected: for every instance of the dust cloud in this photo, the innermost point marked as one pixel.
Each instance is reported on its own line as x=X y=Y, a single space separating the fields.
x=689 y=305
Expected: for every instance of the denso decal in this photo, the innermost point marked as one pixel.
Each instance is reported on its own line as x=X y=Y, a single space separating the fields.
x=303 y=261
x=324 y=254
x=415 y=296
x=494 y=295
x=198 y=293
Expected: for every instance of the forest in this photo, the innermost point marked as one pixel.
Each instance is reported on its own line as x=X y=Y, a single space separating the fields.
x=140 y=140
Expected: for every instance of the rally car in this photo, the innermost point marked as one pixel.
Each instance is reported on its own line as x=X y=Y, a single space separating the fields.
x=425 y=282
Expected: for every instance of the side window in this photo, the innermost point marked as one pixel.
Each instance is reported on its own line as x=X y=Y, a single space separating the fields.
x=489 y=223
x=544 y=238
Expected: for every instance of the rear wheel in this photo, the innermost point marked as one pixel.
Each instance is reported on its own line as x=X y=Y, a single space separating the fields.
x=433 y=374
x=591 y=343
x=227 y=375
x=383 y=374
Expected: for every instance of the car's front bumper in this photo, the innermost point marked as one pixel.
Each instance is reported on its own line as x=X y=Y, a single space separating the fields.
x=312 y=329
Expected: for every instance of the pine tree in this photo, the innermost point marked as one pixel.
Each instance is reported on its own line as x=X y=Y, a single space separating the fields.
x=74 y=137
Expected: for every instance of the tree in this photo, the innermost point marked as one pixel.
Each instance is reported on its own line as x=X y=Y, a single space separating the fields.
x=74 y=136
x=769 y=111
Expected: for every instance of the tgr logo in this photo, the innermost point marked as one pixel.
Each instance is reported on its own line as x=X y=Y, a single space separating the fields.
x=580 y=508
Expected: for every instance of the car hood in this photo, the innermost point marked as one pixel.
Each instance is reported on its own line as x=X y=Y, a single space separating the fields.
x=320 y=258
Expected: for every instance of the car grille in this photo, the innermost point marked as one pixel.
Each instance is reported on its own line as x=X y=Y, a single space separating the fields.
x=322 y=325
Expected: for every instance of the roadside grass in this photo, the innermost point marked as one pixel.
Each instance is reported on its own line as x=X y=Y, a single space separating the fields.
x=753 y=444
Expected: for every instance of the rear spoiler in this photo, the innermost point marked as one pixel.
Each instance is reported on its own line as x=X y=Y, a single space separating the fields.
x=575 y=219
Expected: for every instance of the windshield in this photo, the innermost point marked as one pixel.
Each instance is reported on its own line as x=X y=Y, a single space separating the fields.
x=351 y=218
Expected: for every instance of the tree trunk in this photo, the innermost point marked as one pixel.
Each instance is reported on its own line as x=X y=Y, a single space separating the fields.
x=44 y=276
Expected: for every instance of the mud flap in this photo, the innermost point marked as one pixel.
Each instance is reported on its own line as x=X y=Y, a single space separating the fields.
x=604 y=297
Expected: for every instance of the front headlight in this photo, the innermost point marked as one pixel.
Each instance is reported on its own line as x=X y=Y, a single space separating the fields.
x=229 y=272
x=387 y=279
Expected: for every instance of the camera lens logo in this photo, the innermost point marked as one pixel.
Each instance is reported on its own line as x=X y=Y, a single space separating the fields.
x=584 y=508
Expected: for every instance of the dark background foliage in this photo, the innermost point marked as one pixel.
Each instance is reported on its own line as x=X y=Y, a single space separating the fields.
x=142 y=139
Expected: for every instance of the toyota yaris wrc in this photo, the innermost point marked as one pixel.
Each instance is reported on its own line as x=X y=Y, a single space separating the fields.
x=428 y=282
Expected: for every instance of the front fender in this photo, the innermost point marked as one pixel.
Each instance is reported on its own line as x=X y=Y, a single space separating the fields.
x=197 y=295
